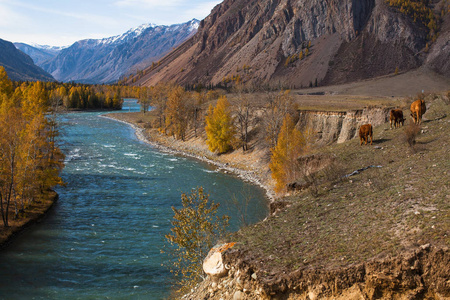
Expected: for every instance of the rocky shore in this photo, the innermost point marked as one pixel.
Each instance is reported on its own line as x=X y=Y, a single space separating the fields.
x=225 y=164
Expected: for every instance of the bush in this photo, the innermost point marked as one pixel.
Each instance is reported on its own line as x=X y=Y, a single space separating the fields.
x=196 y=227
x=411 y=132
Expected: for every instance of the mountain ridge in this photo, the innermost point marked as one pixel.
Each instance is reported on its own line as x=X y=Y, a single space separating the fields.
x=107 y=60
x=346 y=41
x=19 y=66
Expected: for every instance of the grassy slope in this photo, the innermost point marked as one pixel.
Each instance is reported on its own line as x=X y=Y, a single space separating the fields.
x=379 y=212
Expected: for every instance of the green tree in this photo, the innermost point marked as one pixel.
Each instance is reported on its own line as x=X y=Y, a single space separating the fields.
x=219 y=126
x=196 y=227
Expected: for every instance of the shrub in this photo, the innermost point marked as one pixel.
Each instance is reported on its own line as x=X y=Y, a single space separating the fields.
x=196 y=227
x=411 y=132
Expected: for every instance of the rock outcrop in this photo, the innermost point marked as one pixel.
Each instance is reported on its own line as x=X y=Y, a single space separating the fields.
x=418 y=274
x=350 y=40
x=213 y=264
x=330 y=127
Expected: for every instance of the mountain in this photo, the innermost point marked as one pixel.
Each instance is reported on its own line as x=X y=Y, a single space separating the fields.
x=106 y=60
x=20 y=66
x=39 y=53
x=260 y=41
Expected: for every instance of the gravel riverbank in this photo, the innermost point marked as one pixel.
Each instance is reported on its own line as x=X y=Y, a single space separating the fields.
x=167 y=145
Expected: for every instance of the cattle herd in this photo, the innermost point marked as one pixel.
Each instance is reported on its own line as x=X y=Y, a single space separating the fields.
x=396 y=118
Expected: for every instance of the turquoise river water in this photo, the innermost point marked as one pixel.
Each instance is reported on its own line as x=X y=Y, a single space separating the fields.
x=103 y=238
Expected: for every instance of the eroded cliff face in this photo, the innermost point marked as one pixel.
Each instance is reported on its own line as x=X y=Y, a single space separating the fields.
x=418 y=274
x=330 y=127
x=350 y=40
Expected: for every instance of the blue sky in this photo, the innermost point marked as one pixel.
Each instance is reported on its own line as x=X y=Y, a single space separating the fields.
x=62 y=22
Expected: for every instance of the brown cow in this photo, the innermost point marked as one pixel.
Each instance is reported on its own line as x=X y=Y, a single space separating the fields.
x=418 y=109
x=365 y=131
x=396 y=118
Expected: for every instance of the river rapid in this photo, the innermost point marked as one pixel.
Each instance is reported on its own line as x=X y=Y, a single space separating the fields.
x=104 y=237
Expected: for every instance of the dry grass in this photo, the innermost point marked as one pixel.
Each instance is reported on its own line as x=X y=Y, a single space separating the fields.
x=346 y=220
x=378 y=212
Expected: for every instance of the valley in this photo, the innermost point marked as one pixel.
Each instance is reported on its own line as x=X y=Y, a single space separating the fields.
x=341 y=237
x=260 y=102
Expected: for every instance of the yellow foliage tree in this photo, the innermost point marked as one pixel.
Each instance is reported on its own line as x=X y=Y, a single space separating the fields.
x=29 y=159
x=219 y=128
x=196 y=226
x=176 y=118
x=290 y=145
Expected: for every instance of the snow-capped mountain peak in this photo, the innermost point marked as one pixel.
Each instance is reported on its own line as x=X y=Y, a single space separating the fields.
x=50 y=48
x=106 y=60
x=132 y=33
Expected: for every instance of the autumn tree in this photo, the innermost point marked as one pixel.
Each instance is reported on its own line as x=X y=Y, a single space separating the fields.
x=195 y=107
x=244 y=113
x=219 y=126
x=196 y=227
x=276 y=108
x=176 y=118
x=283 y=162
x=159 y=101
x=6 y=87
x=10 y=142
x=144 y=98
x=30 y=161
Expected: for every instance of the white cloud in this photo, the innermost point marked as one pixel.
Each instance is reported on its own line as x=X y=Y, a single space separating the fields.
x=146 y=4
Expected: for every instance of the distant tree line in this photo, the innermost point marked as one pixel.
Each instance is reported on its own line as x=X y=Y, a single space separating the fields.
x=84 y=96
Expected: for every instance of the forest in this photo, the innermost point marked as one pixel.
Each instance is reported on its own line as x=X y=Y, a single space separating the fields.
x=30 y=160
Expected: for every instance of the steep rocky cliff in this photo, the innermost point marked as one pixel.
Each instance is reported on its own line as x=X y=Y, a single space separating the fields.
x=329 y=127
x=346 y=40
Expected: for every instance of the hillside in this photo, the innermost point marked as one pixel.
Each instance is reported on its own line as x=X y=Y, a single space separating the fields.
x=381 y=233
x=20 y=66
x=38 y=53
x=260 y=41
x=106 y=60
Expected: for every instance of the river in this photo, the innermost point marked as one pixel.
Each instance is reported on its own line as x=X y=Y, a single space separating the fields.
x=103 y=239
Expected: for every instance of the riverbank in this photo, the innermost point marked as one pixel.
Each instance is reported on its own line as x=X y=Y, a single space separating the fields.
x=251 y=167
x=34 y=214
